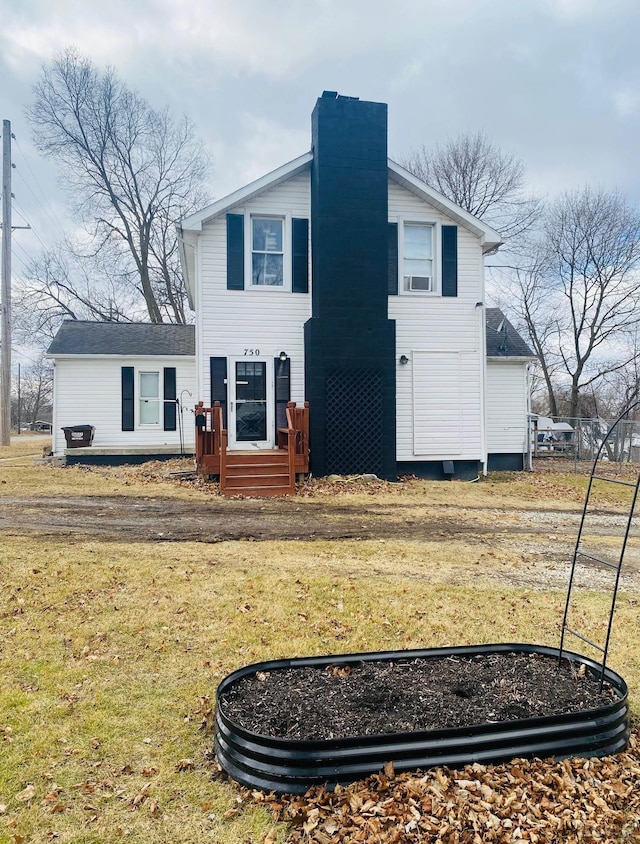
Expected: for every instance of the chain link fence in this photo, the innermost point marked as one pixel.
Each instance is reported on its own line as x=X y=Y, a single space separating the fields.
x=580 y=439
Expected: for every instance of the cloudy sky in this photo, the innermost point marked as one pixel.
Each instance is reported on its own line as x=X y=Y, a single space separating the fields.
x=556 y=82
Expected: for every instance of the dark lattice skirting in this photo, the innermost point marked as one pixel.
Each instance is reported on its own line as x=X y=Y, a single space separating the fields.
x=355 y=421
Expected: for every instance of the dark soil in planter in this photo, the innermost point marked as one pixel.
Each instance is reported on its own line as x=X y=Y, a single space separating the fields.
x=373 y=698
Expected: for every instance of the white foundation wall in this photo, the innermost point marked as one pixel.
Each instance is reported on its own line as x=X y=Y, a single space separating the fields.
x=88 y=391
x=507 y=407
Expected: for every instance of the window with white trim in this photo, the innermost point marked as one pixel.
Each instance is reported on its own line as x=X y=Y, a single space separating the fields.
x=418 y=268
x=149 y=398
x=267 y=251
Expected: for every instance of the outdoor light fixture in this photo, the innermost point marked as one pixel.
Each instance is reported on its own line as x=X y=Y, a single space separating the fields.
x=282 y=356
x=404 y=359
x=479 y=304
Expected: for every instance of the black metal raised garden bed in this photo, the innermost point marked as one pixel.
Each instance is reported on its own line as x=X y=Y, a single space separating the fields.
x=293 y=766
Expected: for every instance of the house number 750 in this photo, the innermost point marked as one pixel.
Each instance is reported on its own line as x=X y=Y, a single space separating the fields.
x=251 y=352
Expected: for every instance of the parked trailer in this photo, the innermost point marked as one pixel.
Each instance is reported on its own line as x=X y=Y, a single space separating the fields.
x=549 y=437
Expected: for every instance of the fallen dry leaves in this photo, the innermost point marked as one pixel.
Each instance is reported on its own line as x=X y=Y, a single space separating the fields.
x=540 y=801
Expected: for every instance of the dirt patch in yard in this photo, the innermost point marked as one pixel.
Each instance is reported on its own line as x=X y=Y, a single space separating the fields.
x=225 y=519
x=540 y=529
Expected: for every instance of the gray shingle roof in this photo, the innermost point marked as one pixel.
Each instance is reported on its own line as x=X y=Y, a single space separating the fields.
x=502 y=339
x=76 y=337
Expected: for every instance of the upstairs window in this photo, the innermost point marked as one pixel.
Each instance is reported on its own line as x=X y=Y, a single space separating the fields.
x=418 y=267
x=267 y=251
x=149 y=398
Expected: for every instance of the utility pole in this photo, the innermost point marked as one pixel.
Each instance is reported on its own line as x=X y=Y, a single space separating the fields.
x=5 y=347
x=19 y=403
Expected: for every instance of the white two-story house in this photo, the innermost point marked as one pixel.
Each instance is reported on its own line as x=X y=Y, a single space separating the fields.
x=343 y=281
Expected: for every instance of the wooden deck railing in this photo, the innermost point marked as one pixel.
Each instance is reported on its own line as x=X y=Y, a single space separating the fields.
x=211 y=440
x=295 y=437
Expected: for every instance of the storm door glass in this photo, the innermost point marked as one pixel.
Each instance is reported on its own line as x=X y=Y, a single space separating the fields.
x=251 y=401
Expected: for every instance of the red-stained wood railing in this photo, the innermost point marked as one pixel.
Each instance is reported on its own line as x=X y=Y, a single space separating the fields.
x=295 y=437
x=211 y=442
x=221 y=443
x=211 y=438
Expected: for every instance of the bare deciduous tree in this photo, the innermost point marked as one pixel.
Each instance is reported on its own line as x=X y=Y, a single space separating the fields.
x=579 y=298
x=131 y=171
x=62 y=284
x=526 y=293
x=593 y=242
x=35 y=393
x=475 y=174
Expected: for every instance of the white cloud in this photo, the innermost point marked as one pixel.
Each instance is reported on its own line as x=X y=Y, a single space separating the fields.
x=626 y=102
x=571 y=10
x=551 y=79
x=266 y=145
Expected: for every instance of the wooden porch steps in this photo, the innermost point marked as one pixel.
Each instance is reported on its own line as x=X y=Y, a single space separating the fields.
x=258 y=473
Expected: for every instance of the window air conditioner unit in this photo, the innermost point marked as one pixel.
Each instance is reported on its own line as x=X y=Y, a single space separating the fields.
x=419 y=282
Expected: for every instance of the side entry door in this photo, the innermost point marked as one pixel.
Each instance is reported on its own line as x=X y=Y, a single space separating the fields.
x=250 y=412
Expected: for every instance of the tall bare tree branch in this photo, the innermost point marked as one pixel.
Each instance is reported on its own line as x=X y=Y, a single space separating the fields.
x=131 y=171
x=479 y=177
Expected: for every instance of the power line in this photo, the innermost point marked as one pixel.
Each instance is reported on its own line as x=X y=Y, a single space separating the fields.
x=42 y=243
x=24 y=252
x=26 y=161
x=22 y=355
x=44 y=202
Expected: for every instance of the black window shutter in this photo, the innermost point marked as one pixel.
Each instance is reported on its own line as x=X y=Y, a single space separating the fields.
x=393 y=259
x=235 y=252
x=218 y=372
x=128 y=406
x=300 y=255
x=170 y=409
x=283 y=391
x=449 y=260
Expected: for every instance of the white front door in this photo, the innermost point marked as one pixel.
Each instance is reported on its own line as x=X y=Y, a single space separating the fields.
x=251 y=422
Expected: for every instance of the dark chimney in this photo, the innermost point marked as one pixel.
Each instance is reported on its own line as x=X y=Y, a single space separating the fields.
x=349 y=340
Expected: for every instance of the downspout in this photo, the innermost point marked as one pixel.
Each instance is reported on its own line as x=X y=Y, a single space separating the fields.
x=528 y=450
x=195 y=303
x=199 y=336
x=54 y=414
x=483 y=382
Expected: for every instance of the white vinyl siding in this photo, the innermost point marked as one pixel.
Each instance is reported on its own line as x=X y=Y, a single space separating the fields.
x=445 y=406
x=507 y=407
x=230 y=322
x=404 y=205
x=437 y=403
x=439 y=393
x=89 y=392
x=233 y=322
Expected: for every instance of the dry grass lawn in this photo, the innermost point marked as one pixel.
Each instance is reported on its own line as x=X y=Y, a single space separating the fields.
x=110 y=652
